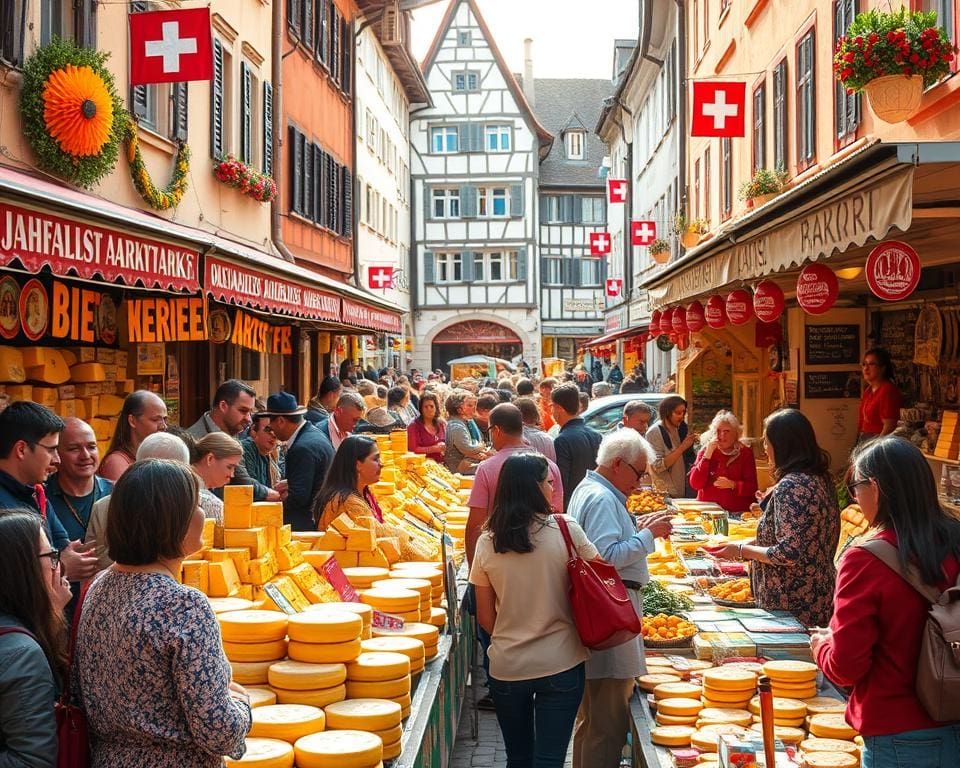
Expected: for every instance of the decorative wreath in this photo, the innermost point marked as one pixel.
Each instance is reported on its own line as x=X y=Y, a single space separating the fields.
x=72 y=115
x=237 y=174
x=169 y=196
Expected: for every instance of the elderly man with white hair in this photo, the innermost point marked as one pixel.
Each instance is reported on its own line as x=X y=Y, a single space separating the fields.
x=599 y=505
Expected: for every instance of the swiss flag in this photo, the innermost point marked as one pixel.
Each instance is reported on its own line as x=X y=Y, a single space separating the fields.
x=170 y=46
x=614 y=286
x=599 y=243
x=643 y=232
x=617 y=190
x=719 y=109
x=380 y=277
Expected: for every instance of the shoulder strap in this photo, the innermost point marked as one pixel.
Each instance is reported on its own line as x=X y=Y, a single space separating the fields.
x=565 y=532
x=666 y=437
x=887 y=554
x=16 y=631
x=65 y=693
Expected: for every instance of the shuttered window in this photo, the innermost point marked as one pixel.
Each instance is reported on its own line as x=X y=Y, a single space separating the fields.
x=268 y=129
x=323 y=32
x=846 y=105
x=760 y=127
x=306 y=24
x=335 y=52
x=246 y=112
x=346 y=192
x=780 y=159
x=346 y=45
x=806 y=102
x=296 y=170
x=726 y=177
x=142 y=97
x=217 y=102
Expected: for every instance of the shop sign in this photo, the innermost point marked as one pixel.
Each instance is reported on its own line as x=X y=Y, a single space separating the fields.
x=738 y=306
x=82 y=315
x=679 y=322
x=715 y=312
x=893 y=270
x=695 y=317
x=234 y=284
x=768 y=301
x=250 y=332
x=817 y=289
x=39 y=239
x=366 y=316
x=664 y=344
x=155 y=320
x=614 y=321
x=583 y=305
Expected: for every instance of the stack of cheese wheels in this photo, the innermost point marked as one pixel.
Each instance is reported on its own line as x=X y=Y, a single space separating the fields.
x=792 y=679
x=252 y=641
x=408 y=646
x=831 y=725
x=678 y=711
x=428 y=634
x=456 y=522
x=227 y=604
x=364 y=611
x=364 y=576
x=381 y=675
x=431 y=572
x=298 y=682
x=339 y=749
x=421 y=586
x=380 y=717
x=677 y=690
x=672 y=735
x=684 y=667
x=260 y=697
x=324 y=637
x=786 y=712
x=720 y=716
x=820 y=705
x=403 y=603
x=728 y=687
x=287 y=722
x=707 y=738
x=264 y=753
x=830 y=747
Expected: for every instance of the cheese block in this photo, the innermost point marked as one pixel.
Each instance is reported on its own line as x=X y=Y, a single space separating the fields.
x=300 y=676
x=85 y=354
x=250 y=672
x=672 y=735
x=831 y=726
x=227 y=604
x=390 y=546
x=237 y=515
x=363 y=714
x=789 y=670
x=362 y=578
x=408 y=646
x=237 y=495
x=707 y=738
x=261 y=569
x=364 y=541
x=324 y=627
x=381 y=689
x=264 y=753
x=319 y=697
x=316 y=557
x=346 y=559
x=17 y=392
x=663 y=719
x=290 y=591
x=252 y=626
x=679 y=707
x=46 y=365
x=728 y=678
x=66 y=409
x=260 y=697
x=375 y=666
x=223 y=579
x=324 y=653
x=364 y=611
x=288 y=556
x=209 y=532
x=428 y=634
x=649 y=682
x=287 y=722
x=110 y=405
x=267 y=651
x=46 y=396
x=254 y=539
x=677 y=690
x=333 y=541
x=819 y=705
x=339 y=749
x=87 y=372
x=829 y=745
x=829 y=760
x=12 y=368
x=284 y=532
x=782 y=708
x=267 y=513
x=239 y=555
x=196 y=573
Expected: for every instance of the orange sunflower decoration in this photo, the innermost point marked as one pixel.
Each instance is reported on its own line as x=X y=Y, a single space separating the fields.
x=78 y=110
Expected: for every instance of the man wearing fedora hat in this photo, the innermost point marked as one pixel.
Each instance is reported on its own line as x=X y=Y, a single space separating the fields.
x=309 y=455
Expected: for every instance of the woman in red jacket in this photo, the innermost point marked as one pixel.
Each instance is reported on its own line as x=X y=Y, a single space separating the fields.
x=725 y=471
x=873 y=642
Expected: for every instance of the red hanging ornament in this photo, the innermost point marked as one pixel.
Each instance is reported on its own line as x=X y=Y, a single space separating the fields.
x=768 y=301
x=817 y=289
x=695 y=318
x=715 y=312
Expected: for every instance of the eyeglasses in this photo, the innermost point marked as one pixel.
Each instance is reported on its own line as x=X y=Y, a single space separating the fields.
x=51 y=449
x=54 y=556
x=865 y=364
x=640 y=475
x=852 y=487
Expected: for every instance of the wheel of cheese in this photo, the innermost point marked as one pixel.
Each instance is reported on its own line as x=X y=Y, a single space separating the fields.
x=324 y=627
x=363 y=577
x=784 y=722
x=287 y=722
x=363 y=714
x=820 y=705
x=227 y=604
x=656 y=663
x=300 y=676
x=675 y=720
x=252 y=626
x=830 y=760
x=428 y=634
x=390 y=735
x=800 y=694
x=790 y=670
x=416 y=571
x=318 y=698
x=392 y=749
x=261 y=697
x=709 y=703
x=408 y=646
x=324 y=653
x=721 y=715
x=786 y=734
x=729 y=678
x=251 y=672
x=731 y=696
x=649 y=682
x=750 y=666
x=693 y=665
x=379 y=689
x=364 y=611
x=677 y=690
x=264 y=753
x=268 y=651
x=430 y=651
x=829 y=745
x=438 y=617
x=831 y=726
x=679 y=707
x=392 y=599
x=783 y=709
x=404 y=701
x=339 y=749
x=708 y=759
x=421 y=586
x=375 y=666
x=707 y=738
x=672 y=735
x=407 y=616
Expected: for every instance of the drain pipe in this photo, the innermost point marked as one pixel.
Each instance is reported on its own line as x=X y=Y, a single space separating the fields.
x=276 y=74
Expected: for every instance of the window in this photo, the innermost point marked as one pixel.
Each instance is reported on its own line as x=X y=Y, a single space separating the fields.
x=449 y=267
x=593 y=210
x=464 y=37
x=780 y=159
x=552 y=270
x=574 y=142
x=249 y=89
x=806 y=102
x=696 y=28
x=847 y=105
x=706 y=22
x=446 y=203
x=706 y=183
x=500 y=267
x=444 y=139
x=726 y=178
x=468 y=80
x=321 y=189
x=267 y=128
x=492 y=201
x=68 y=19
x=944 y=9
x=498 y=138
x=162 y=108
x=589 y=271
x=220 y=90
x=696 y=188
x=759 y=127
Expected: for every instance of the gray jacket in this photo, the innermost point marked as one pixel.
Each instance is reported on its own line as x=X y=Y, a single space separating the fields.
x=28 y=732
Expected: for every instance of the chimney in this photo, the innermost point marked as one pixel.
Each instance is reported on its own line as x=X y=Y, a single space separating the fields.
x=528 y=71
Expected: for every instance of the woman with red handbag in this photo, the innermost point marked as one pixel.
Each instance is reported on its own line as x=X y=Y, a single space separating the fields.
x=33 y=640
x=520 y=576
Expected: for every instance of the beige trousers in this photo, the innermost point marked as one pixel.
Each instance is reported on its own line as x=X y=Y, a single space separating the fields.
x=602 y=723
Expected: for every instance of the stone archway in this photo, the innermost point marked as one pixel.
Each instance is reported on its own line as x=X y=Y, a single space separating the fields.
x=462 y=336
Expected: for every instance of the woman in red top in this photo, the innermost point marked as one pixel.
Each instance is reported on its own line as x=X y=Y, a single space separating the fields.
x=426 y=433
x=725 y=471
x=881 y=400
x=873 y=642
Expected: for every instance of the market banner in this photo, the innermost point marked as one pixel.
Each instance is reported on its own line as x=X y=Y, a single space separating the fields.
x=253 y=333
x=355 y=313
x=37 y=239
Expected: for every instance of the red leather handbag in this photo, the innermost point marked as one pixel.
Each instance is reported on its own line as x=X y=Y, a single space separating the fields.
x=602 y=610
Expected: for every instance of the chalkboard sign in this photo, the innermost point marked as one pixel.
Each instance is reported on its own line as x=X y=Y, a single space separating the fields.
x=831 y=385
x=832 y=344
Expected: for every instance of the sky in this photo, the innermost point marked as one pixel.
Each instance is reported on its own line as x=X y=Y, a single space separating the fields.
x=571 y=38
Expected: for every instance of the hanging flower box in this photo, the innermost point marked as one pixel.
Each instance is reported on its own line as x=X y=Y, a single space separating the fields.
x=660 y=251
x=237 y=174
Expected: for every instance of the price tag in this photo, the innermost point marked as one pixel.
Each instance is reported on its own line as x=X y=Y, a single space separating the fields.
x=386 y=621
x=285 y=605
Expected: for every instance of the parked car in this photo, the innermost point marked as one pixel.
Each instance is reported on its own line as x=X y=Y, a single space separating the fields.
x=604 y=413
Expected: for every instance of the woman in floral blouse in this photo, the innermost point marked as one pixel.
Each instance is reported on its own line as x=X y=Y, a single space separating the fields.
x=792 y=556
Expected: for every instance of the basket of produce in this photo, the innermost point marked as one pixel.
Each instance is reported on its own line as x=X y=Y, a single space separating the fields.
x=667 y=631
x=657 y=599
x=646 y=501
x=735 y=593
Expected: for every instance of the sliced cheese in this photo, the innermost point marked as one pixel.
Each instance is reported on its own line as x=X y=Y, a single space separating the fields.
x=381 y=689
x=377 y=666
x=250 y=672
x=320 y=697
x=324 y=653
x=324 y=627
x=252 y=626
x=260 y=697
x=363 y=714
x=301 y=676
x=287 y=722
x=264 y=753
x=339 y=749
x=268 y=651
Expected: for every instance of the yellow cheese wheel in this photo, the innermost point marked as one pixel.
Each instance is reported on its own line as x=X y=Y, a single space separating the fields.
x=287 y=722
x=421 y=586
x=663 y=719
x=374 y=666
x=415 y=571
x=438 y=617
x=831 y=726
x=829 y=745
x=708 y=759
x=251 y=672
x=710 y=704
x=649 y=682
x=261 y=697
x=392 y=749
x=830 y=760
x=677 y=690
x=324 y=627
x=733 y=697
x=380 y=689
x=707 y=738
x=403 y=701
x=655 y=663
x=819 y=705
x=784 y=722
x=301 y=676
x=363 y=576
x=679 y=707
x=791 y=693
x=227 y=604
x=750 y=666
x=363 y=714
x=790 y=670
x=729 y=678
x=408 y=646
x=407 y=616
x=428 y=634
x=324 y=653
x=782 y=708
x=264 y=753
x=691 y=665
x=252 y=626
x=318 y=698
x=390 y=735
x=339 y=749
x=391 y=599
x=739 y=717
x=786 y=734
x=267 y=651
x=364 y=611
x=672 y=735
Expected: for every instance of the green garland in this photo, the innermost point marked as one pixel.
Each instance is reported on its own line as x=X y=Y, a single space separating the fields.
x=169 y=196
x=85 y=171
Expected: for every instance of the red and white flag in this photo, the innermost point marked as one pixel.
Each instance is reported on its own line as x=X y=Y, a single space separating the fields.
x=643 y=232
x=614 y=286
x=380 y=278
x=170 y=46
x=599 y=243
x=719 y=109
x=617 y=190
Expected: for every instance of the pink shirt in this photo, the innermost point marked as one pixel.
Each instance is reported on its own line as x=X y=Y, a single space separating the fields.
x=336 y=436
x=488 y=474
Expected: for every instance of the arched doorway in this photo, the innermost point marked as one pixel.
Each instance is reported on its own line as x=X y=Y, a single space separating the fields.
x=474 y=337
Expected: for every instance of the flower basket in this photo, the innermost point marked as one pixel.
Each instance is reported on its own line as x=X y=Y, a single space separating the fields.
x=690 y=238
x=763 y=199
x=894 y=98
x=237 y=174
x=660 y=251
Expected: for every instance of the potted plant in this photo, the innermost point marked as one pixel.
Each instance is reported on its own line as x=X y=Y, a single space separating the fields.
x=680 y=224
x=893 y=56
x=764 y=186
x=237 y=174
x=660 y=251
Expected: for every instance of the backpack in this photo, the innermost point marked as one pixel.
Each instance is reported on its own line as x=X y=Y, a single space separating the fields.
x=938 y=667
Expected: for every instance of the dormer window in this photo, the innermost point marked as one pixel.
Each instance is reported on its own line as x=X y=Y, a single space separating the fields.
x=574 y=142
x=464 y=38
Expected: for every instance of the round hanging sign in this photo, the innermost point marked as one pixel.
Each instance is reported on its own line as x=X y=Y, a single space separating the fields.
x=715 y=313
x=679 y=323
x=768 y=301
x=655 y=323
x=695 y=319
x=664 y=344
x=817 y=289
x=738 y=307
x=893 y=270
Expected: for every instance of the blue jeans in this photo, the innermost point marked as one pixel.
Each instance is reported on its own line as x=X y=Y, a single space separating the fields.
x=536 y=716
x=926 y=748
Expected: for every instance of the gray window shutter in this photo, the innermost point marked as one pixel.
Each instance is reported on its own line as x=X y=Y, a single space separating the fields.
x=517 y=202
x=427 y=203
x=246 y=113
x=566 y=209
x=346 y=35
x=178 y=97
x=576 y=272
x=468 y=258
x=217 y=101
x=333 y=213
x=138 y=93
x=463 y=137
x=268 y=128
x=335 y=44
x=308 y=30
x=468 y=201
x=296 y=171
x=522 y=265
x=476 y=131
x=429 y=275
x=319 y=186
x=347 y=202
x=309 y=182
